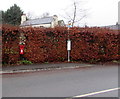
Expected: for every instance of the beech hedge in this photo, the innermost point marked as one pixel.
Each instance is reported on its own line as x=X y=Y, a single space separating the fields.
x=10 y=44
x=49 y=44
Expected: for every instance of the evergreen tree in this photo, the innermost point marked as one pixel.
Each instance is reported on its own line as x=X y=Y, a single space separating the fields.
x=1 y=16
x=13 y=15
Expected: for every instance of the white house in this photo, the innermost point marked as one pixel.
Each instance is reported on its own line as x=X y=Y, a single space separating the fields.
x=49 y=21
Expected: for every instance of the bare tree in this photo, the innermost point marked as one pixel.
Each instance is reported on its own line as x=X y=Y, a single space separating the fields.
x=46 y=14
x=75 y=13
x=30 y=15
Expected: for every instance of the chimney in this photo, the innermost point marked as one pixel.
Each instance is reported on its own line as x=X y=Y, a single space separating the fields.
x=23 y=18
x=55 y=17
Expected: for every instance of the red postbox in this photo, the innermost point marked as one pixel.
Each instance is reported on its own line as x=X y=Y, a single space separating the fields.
x=22 y=49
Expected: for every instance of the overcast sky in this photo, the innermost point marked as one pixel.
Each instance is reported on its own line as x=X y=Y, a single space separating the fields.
x=99 y=12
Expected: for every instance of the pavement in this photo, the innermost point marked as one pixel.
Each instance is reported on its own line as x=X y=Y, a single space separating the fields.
x=46 y=66
x=99 y=81
x=39 y=67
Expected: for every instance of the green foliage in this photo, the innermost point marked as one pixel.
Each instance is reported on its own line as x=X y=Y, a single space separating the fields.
x=116 y=61
x=61 y=58
x=12 y=15
x=46 y=62
x=1 y=17
x=25 y=62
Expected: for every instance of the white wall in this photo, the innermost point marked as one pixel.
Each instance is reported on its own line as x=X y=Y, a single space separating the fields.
x=23 y=18
x=42 y=25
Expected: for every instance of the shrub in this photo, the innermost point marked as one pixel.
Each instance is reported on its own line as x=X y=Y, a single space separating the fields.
x=49 y=44
x=25 y=62
x=10 y=42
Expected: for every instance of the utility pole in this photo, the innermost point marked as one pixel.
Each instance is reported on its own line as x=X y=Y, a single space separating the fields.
x=69 y=42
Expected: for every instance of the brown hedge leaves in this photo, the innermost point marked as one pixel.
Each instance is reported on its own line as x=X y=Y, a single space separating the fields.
x=49 y=44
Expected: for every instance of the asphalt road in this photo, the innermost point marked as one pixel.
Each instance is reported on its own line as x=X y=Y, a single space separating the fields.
x=63 y=83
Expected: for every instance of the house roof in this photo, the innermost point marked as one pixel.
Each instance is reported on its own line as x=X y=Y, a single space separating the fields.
x=114 y=27
x=45 y=20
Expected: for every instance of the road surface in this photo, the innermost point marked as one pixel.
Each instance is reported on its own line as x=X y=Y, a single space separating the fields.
x=99 y=81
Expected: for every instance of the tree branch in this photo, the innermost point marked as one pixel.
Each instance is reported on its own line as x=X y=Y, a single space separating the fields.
x=81 y=18
x=74 y=14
